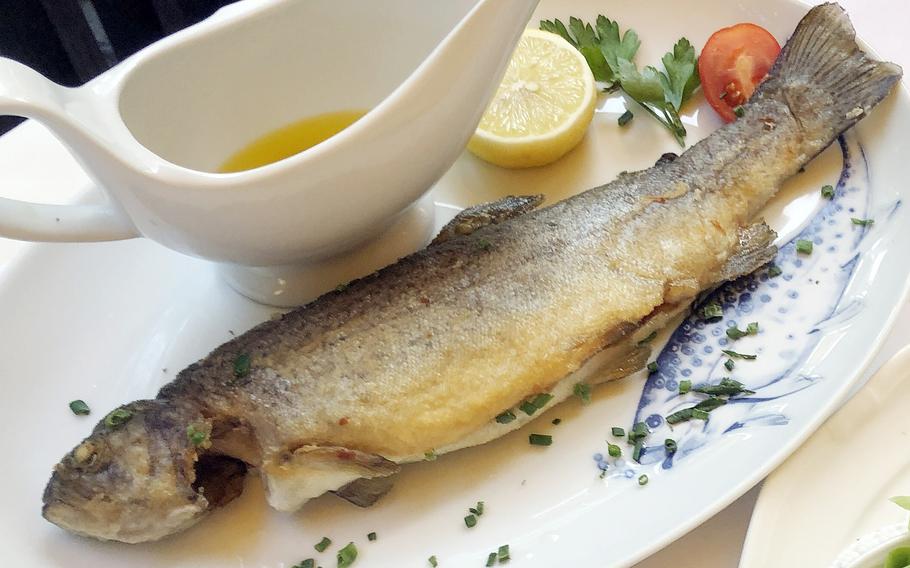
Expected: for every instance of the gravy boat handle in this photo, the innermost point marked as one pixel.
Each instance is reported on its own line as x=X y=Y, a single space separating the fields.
x=25 y=92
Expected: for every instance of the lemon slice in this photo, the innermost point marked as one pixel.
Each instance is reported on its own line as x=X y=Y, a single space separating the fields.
x=542 y=107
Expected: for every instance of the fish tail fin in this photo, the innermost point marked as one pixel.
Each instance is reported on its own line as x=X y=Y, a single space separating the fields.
x=827 y=80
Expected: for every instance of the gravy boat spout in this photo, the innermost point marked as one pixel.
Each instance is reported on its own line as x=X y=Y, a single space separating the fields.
x=153 y=131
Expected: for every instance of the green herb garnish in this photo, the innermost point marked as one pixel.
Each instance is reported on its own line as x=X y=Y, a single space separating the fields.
x=685 y=386
x=432 y=561
x=618 y=432
x=739 y=111
x=735 y=333
x=625 y=118
x=556 y=421
x=638 y=432
x=614 y=450
x=728 y=364
x=322 y=544
x=582 y=391
x=429 y=455
x=79 y=408
x=470 y=521
x=478 y=510
x=737 y=355
x=491 y=559
x=637 y=450
x=752 y=328
x=648 y=339
x=371 y=537
x=242 y=365
x=803 y=246
x=774 y=271
x=710 y=404
x=642 y=479
x=712 y=310
x=196 y=435
x=542 y=399
x=726 y=387
x=503 y=553
x=484 y=244
x=527 y=407
x=862 y=222
x=118 y=417
x=308 y=563
x=660 y=93
x=670 y=446
x=341 y=287
x=828 y=191
x=506 y=417
x=540 y=439
x=652 y=367
x=347 y=555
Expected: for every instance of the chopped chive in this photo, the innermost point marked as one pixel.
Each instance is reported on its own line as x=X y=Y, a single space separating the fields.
x=648 y=339
x=118 y=417
x=242 y=365
x=728 y=364
x=503 y=553
x=670 y=446
x=527 y=408
x=737 y=355
x=625 y=118
x=699 y=414
x=739 y=111
x=470 y=521
x=540 y=439
x=774 y=271
x=429 y=455
x=322 y=544
x=484 y=244
x=478 y=510
x=371 y=537
x=308 y=563
x=828 y=191
x=341 y=287
x=752 y=328
x=196 y=436
x=728 y=387
x=642 y=479
x=432 y=561
x=347 y=555
x=685 y=386
x=79 y=408
x=652 y=367
x=710 y=404
x=639 y=432
x=505 y=417
x=618 y=432
x=582 y=391
x=712 y=310
x=683 y=415
x=735 y=333
x=803 y=246
x=862 y=222
x=491 y=559
x=614 y=450
x=556 y=421
x=541 y=400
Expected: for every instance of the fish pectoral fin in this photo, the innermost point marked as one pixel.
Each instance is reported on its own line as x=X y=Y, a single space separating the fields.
x=756 y=248
x=473 y=218
x=291 y=478
x=365 y=491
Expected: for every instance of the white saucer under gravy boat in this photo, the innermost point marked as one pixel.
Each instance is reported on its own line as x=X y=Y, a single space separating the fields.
x=152 y=132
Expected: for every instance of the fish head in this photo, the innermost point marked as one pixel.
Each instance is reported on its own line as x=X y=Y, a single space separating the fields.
x=145 y=472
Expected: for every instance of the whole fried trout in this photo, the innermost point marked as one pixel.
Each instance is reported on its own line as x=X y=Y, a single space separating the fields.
x=440 y=350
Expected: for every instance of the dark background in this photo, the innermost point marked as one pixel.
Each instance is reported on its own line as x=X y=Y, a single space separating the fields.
x=71 y=41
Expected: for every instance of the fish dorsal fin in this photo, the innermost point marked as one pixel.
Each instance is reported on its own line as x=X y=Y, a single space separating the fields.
x=473 y=218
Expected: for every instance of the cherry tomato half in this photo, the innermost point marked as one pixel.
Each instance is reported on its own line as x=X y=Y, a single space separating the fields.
x=732 y=64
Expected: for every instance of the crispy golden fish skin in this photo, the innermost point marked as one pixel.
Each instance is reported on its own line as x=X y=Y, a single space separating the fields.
x=424 y=355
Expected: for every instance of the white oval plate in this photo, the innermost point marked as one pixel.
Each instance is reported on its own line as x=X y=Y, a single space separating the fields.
x=110 y=323
x=827 y=506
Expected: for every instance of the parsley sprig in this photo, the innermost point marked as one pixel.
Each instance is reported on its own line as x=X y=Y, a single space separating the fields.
x=611 y=59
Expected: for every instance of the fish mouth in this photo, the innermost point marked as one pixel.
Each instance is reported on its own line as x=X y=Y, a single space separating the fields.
x=219 y=479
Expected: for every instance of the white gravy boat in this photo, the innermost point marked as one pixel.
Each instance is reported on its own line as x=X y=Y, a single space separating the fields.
x=152 y=131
